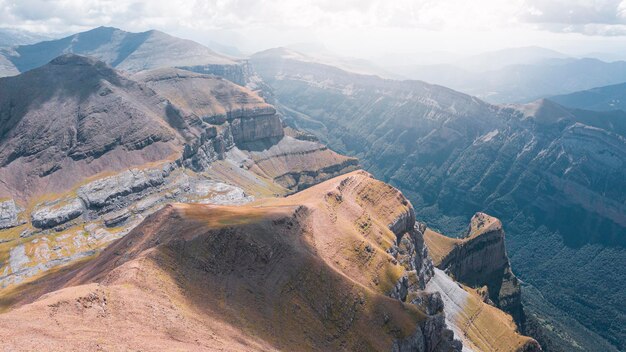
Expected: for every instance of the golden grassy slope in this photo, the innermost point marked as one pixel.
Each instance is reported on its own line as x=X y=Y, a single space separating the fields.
x=487 y=328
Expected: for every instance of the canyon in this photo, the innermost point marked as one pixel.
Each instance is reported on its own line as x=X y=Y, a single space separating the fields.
x=552 y=174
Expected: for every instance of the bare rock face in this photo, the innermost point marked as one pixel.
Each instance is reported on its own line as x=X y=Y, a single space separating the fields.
x=216 y=102
x=411 y=252
x=256 y=128
x=9 y=212
x=57 y=213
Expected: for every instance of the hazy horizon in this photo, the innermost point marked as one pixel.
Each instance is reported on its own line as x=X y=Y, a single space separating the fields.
x=360 y=29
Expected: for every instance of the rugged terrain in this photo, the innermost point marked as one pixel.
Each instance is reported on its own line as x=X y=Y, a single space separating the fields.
x=339 y=266
x=86 y=152
x=552 y=174
x=125 y=51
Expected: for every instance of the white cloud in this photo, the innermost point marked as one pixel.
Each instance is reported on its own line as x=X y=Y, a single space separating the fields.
x=59 y=15
x=589 y=17
x=254 y=24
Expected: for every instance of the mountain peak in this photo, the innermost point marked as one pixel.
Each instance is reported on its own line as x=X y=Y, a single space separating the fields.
x=545 y=111
x=75 y=60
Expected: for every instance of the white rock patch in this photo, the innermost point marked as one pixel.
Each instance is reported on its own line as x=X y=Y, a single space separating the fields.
x=454 y=301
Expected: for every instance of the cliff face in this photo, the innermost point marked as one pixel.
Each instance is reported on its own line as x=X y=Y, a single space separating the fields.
x=237 y=125
x=479 y=260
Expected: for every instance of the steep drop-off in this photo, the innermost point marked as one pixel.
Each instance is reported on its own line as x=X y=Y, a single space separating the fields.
x=479 y=260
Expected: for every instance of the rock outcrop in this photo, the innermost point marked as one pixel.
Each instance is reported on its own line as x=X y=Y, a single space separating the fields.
x=9 y=214
x=104 y=191
x=479 y=259
x=410 y=252
x=57 y=212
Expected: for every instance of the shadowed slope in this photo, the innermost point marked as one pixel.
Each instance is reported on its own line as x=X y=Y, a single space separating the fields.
x=73 y=118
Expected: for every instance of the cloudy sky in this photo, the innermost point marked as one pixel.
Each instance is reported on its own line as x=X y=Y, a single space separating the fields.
x=362 y=28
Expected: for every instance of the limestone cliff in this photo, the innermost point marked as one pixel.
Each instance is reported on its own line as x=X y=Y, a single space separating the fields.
x=479 y=260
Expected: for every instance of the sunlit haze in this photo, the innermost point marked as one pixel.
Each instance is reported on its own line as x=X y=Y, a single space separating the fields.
x=364 y=28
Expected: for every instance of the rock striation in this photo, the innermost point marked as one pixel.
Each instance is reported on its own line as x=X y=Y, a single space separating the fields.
x=57 y=212
x=105 y=191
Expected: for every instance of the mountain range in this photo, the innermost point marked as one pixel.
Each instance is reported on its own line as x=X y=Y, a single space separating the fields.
x=158 y=192
x=518 y=75
x=10 y=37
x=605 y=98
x=340 y=265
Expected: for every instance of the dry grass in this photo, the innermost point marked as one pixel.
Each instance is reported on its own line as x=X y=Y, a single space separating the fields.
x=439 y=246
x=488 y=328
